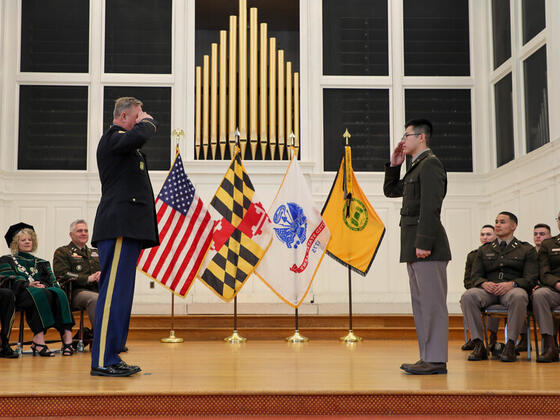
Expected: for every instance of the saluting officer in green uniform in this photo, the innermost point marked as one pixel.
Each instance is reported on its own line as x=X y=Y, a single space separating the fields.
x=77 y=259
x=504 y=272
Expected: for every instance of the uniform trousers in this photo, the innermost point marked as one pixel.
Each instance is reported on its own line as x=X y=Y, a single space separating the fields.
x=544 y=299
x=118 y=259
x=428 y=290
x=7 y=314
x=85 y=299
x=476 y=299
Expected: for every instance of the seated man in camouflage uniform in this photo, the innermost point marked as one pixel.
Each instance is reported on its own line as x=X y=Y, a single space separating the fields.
x=77 y=259
x=504 y=272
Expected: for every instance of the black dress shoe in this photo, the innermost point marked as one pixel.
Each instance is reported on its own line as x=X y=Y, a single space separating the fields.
x=123 y=365
x=549 y=356
x=479 y=352
x=468 y=345
x=427 y=368
x=508 y=355
x=522 y=345
x=123 y=350
x=7 y=353
x=112 y=370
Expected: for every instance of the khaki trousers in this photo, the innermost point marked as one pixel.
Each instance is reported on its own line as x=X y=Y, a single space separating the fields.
x=475 y=299
x=86 y=299
x=544 y=299
x=428 y=291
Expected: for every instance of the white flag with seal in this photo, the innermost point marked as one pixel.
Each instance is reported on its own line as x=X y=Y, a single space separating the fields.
x=299 y=242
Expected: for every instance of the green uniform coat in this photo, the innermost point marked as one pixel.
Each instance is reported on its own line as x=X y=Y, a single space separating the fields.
x=422 y=188
x=517 y=263
x=83 y=262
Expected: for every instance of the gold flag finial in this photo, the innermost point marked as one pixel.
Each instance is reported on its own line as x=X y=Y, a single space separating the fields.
x=346 y=136
x=177 y=134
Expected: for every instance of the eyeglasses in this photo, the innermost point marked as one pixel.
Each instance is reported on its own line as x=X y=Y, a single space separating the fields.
x=557 y=218
x=403 y=138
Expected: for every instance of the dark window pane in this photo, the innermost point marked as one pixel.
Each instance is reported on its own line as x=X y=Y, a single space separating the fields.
x=138 y=36
x=355 y=37
x=504 y=121
x=365 y=113
x=157 y=103
x=449 y=111
x=536 y=100
x=281 y=17
x=436 y=38
x=52 y=127
x=534 y=19
x=55 y=36
x=502 y=31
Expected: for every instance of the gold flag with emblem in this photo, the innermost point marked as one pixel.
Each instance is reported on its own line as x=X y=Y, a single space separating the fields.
x=356 y=229
x=241 y=235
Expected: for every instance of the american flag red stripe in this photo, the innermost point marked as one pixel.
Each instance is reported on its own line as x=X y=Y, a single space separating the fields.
x=185 y=228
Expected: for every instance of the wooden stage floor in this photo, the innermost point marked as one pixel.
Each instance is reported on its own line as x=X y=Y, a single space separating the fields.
x=321 y=377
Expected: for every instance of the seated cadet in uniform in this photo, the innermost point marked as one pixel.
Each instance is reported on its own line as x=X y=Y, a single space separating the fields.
x=504 y=272
x=547 y=297
x=77 y=259
x=7 y=314
x=541 y=231
x=487 y=235
x=36 y=290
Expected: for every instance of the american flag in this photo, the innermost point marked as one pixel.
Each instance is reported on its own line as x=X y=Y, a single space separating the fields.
x=185 y=229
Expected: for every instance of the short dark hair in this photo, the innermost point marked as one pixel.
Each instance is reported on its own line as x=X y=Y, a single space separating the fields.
x=542 y=225
x=511 y=216
x=487 y=226
x=421 y=125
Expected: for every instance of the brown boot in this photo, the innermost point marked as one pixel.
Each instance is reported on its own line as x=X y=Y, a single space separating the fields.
x=550 y=352
x=508 y=355
x=479 y=352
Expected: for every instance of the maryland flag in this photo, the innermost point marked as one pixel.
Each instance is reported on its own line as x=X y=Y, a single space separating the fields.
x=355 y=227
x=241 y=235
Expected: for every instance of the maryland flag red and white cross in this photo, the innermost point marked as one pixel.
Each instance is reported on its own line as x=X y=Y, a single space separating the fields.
x=241 y=236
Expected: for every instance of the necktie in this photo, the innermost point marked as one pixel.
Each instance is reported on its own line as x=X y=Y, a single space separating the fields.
x=503 y=246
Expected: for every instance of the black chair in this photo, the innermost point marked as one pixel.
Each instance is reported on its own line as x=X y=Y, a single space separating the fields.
x=500 y=311
x=66 y=283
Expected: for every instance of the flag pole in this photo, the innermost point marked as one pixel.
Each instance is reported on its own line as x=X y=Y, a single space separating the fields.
x=235 y=338
x=296 y=337
x=350 y=337
x=172 y=339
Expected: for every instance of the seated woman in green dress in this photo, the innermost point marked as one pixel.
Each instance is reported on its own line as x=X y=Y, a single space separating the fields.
x=36 y=289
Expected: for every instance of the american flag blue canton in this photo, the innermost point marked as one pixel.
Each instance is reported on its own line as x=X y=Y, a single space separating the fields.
x=177 y=191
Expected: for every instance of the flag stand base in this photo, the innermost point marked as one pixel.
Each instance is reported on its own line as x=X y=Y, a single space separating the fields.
x=297 y=338
x=235 y=338
x=171 y=338
x=351 y=337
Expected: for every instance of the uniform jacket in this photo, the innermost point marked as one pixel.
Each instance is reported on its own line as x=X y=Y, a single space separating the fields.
x=83 y=262
x=549 y=261
x=127 y=200
x=467 y=281
x=422 y=188
x=517 y=263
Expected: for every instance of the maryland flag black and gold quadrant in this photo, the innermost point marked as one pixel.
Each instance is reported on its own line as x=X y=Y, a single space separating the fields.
x=241 y=235
x=356 y=229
